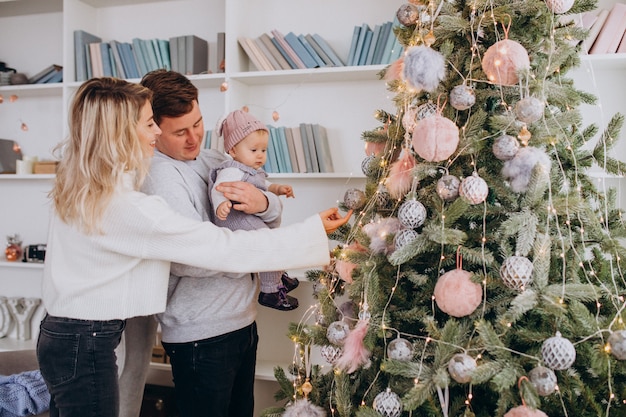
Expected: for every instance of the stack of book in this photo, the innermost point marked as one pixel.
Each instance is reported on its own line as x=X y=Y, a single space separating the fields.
x=607 y=30
x=290 y=51
x=301 y=149
x=374 y=46
x=48 y=75
x=95 y=58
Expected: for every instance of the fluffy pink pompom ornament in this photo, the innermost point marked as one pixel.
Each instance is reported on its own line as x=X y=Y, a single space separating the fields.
x=395 y=70
x=355 y=354
x=456 y=294
x=435 y=138
x=503 y=60
x=525 y=411
x=400 y=176
x=379 y=232
x=344 y=270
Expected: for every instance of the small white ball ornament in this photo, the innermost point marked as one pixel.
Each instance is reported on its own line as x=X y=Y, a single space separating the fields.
x=354 y=199
x=543 y=379
x=448 y=187
x=529 y=109
x=412 y=214
x=462 y=97
x=559 y=6
x=404 y=237
x=558 y=353
x=337 y=332
x=503 y=60
x=474 y=189
x=617 y=342
x=461 y=367
x=400 y=349
x=516 y=272
x=388 y=404
x=505 y=147
x=330 y=353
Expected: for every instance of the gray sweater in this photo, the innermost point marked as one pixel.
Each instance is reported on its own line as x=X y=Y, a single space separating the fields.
x=201 y=303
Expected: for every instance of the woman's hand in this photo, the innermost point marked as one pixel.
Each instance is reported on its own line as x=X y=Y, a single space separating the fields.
x=331 y=219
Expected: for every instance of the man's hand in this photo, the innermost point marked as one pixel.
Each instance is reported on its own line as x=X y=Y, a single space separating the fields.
x=245 y=196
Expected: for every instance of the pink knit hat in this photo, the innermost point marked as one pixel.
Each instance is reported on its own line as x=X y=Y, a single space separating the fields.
x=237 y=125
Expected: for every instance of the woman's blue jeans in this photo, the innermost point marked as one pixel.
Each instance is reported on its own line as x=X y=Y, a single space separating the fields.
x=78 y=362
x=215 y=377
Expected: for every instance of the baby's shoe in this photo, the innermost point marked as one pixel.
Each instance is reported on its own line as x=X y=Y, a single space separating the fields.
x=278 y=300
x=289 y=283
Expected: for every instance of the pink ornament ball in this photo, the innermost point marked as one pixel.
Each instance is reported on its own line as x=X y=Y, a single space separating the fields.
x=374 y=148
x=525 y=411
x=559 y=6
x=435 y=138
x=456 y=294
x=503 y=60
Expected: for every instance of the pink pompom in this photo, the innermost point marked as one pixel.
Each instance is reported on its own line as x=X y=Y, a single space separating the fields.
x=344 y=270
x=524 y=411
x=456 y=294
x=395 y=70
x=355 y=354
x=400 y=176
x=503 y=60
x=435 y=138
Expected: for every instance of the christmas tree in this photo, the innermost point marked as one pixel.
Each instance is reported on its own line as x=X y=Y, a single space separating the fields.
x=482 y=273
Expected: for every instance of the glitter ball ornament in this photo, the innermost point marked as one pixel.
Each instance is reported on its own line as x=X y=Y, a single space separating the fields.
x=617 y=342
x=448 y=187
x=366 y=164
x=505 y=147
x=435 y=138
x=558 y=353
x=456 y=294
x=388 y=404
x=503 y=60
x=404 y=237
x=461 y=367
x=424 y=68
x=381 y=196
x=400 y=349
x=337 y=332
x=524 y=411
x=409 y=120
x=425 y=110
x=408 y=14
x=559 y=6
x=330 y=353
x=473 y=189
x=516 y=272
x=462 y=97
x=354 y=199
x=412 y=213
x=543 y=379
x=529 y=109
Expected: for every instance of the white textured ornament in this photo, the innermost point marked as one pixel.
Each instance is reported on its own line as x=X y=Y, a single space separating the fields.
x=424 y=68
x=529 y=109
x=559 y=6
x=543 y=379
x=412 y=214
x=516 y=272
x=354 y=199
x=461 y=367
x=462 y=97
x=330 y=353
x=473 y=189
x=366 y=165
x=400 y=349
x=427 y=109
x=448 y=187
x=617 y=341
x=558 y=353
x=382 y=196
x=337 y=332
x=388 y=404
x=404 y=237
x=505 y=147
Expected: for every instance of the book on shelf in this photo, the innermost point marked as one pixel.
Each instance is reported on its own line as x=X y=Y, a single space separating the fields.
x=267 y=55
x=293 y=159
x=196 y=55
x=381 y=43
x=271 y=47
x=284 y=149
x=281 y=162
x=389 y=44
x=221 y=52
x=128 y=60
x=284 y=53
x=310 y=141
x=254 y=57
x=322 y=147
x=299 y=149
x=45 y=74
x=107 y=67
x=173 y=41
x=372 y=45
x=181 y=45
x=367 y=41
x=56 y=77
x=140 y=58
x=288 y=49
x=81 y=40
x=164 y=49
x=117 y=59
x=157 y=53
x=304 y=55
x=622 y=45
x=318 y=59
x=355 y=39
x=328 y=49
x=611 y=31
x=96 y=60
x=328 y=62
x=271 y=163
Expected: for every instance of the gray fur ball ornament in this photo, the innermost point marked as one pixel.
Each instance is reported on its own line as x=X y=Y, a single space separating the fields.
x=518 y=170
x=462 y=97
x=424 y=68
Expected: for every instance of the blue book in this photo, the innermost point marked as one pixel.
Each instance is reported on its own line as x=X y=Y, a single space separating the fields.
x=372 y=47
x=140 y=58
x=305 y=146
x=81 y=55
x=128 y=60
x=107 y=69
x=117 y=59
x=385 y=31
x=164 y=48
x=150 y=56
x=56 y=78
x=320 y=52
x=284 y=53
x=51 y=75
x=300 y=50
x=324 y=158
x=367 y=41
x=284 y=148
x=272 y=151
x=329 y=51
x=318 y=59
x=355 y=39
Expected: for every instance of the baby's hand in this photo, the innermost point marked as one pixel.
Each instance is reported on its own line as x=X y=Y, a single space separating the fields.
x=223 y=210
x=286 y=190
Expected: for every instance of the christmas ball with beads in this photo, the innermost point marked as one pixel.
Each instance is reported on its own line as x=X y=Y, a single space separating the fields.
x=543 y=379
x=473 y=189
x=412 y=213
x=448 y=187
x=382 y=196
x=388 y=404
x=435 y=138
x=516 y=272
x=525 y=411
x=408 y=14
x=559 y=6
x=404 y=237
x=424 y=68
x=462 y=97
x=461 y=367
x=558 y=353
x=337 y=332
x=529 y=109
x=330 y=353
x=503 y=60
x=617 y=342
x=366 y=165
x=400 y=349
x=456 y=294
x=409 y=119
x=505 y=147
x=354 y=199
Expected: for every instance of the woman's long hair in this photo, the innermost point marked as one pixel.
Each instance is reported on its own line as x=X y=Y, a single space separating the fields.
x=102 y=147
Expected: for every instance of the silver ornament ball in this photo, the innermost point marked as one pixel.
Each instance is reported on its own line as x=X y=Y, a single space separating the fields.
x=354 y=199
x=473 y=189
x=448 y=187
x=462 y=97
x=366 y=164
x=337 y=332
x=330 y=353
x=412 y=213
x=543 y=379
x=505 y=147
x=558 y=353
x=529 y=109
x=388 y=404
x=408 y=14
x=400 y=349
x=516 y=272
x=461 y=367
x=617 y=342
x=404 y=237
